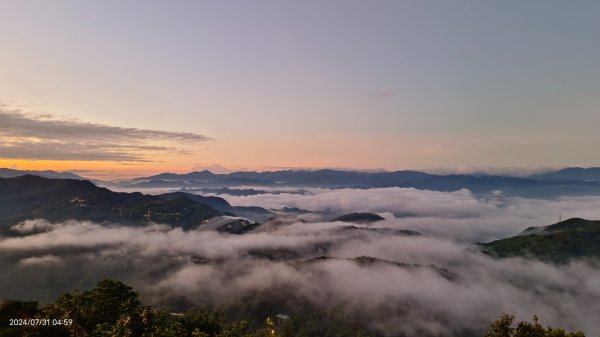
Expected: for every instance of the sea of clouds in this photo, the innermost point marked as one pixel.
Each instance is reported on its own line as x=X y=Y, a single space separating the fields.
x=209 y=268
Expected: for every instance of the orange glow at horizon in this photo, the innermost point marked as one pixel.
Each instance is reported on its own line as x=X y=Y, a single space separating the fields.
x=258 y=154
x=91 y=169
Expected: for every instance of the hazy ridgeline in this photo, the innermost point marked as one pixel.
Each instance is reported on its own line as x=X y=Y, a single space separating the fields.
x=436 y=283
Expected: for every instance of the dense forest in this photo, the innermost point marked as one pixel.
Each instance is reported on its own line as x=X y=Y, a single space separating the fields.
x=114 y=309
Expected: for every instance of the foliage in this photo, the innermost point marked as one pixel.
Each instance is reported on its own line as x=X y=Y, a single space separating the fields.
x=16 y=310
x=561 y=242
x=113 y=309
x=505 y=327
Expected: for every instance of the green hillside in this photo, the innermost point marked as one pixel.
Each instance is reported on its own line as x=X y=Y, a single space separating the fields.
x=561 y=242
x=30 y=197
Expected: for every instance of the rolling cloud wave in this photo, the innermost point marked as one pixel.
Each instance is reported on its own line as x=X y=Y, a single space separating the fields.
x=427 y=284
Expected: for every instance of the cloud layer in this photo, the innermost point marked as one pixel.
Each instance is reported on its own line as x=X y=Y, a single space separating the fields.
x=425 y=285
x=24 y=136
x=459 y=214
x=209 y=268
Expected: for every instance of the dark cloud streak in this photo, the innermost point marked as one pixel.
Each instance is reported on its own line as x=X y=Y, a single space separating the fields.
x=41 y=137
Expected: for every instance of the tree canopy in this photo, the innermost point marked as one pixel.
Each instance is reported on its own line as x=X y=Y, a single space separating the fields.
x=113 y=309
x=505 y=327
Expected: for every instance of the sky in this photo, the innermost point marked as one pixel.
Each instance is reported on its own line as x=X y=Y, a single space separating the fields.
x=117 y=89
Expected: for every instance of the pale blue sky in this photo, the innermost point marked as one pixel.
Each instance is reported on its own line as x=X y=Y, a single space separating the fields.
x=366 y=84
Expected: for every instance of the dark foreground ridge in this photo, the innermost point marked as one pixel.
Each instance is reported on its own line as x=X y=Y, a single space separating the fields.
x=560 y=242
x=33 y=197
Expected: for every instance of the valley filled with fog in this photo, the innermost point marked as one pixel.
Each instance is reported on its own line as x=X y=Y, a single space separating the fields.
x=419 y=271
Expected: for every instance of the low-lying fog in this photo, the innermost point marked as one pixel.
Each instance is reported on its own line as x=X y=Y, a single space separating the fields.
x=448 y=284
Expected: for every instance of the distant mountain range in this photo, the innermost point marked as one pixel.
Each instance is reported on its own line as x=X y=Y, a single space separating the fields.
x=28 y=197
x=571 y=173
x=548 y=185
x=560 y=242
x=319 y=178
x=11 y=173
x=568 y=181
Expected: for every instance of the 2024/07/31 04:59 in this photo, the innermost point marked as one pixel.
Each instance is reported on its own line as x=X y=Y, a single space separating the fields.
x=39 y=321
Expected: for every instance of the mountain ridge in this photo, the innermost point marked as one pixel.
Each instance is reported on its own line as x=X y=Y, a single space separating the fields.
x=570 y=173
x=478 y=184
x=12 y=173
x=560 y=242
x=30 y=197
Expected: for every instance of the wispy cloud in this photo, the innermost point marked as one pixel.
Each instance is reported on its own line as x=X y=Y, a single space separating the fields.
x=466 y=216
x=39 y=137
